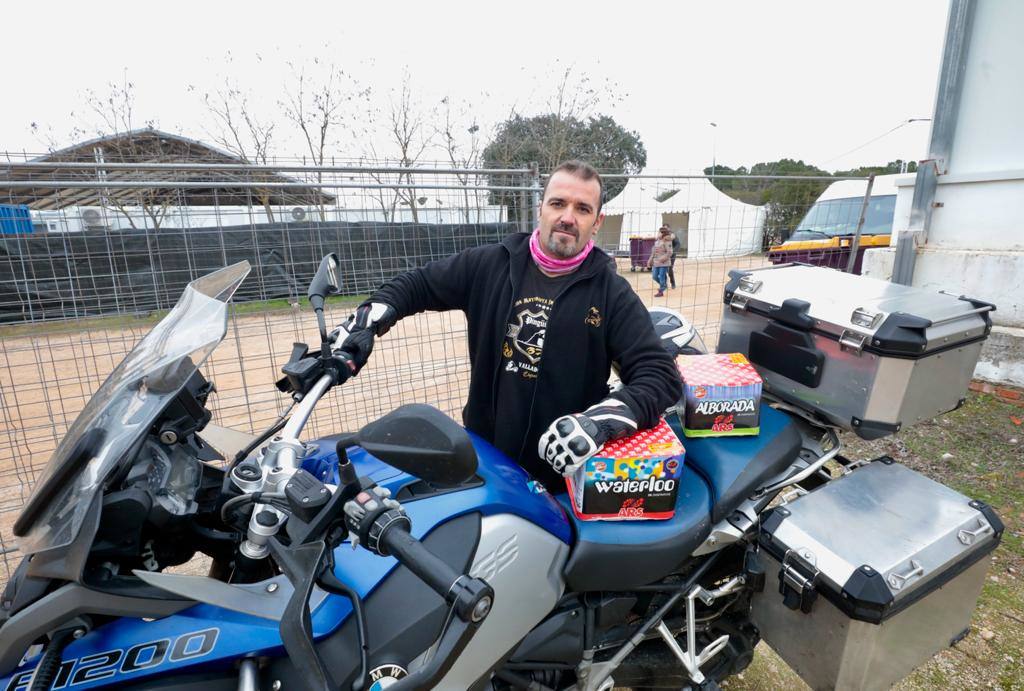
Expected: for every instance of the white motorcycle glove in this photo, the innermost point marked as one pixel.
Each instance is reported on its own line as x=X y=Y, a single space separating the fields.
x=572 y=439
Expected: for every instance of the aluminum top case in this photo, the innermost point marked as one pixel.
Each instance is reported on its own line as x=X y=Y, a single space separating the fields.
x=867 y=355
x=870 y=575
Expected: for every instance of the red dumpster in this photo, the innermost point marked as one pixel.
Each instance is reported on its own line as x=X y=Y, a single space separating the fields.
x=640 y=252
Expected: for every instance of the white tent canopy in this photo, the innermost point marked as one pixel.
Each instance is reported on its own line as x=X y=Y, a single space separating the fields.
x=708 y=222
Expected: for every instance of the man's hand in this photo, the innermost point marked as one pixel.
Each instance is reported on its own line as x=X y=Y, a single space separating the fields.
x=376 y=316
x=356 y=349
x=572 y=439
x=369 y=320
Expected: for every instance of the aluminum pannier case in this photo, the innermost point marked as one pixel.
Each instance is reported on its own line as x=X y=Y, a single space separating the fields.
x=867 y=355
x=870 y=575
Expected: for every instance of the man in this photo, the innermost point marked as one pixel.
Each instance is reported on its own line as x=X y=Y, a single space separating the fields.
x=547 y=317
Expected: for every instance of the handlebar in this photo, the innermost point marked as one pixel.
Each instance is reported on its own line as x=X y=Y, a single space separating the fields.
x=471 y=597
x=378 y=523
x=304 y=408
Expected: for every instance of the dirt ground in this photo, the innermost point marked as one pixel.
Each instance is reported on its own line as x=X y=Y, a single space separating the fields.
x=47 y=375
x=49 y=371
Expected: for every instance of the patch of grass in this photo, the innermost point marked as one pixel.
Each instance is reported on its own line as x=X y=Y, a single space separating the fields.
x=979 y=451
x=147 y=319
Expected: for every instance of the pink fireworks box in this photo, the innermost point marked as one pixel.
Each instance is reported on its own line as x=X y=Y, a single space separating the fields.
x=633 y=479
x=722 y=395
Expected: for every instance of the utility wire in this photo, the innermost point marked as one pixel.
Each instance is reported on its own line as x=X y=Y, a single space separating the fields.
x=875 y=139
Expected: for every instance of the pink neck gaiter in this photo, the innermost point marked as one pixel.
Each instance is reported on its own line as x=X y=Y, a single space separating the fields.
x=557 y=267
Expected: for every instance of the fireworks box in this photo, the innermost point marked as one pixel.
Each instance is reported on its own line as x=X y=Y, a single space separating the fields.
x=634 y=478
x=722 y=395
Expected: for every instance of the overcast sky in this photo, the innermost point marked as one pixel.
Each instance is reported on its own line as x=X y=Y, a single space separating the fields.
x=811 y=80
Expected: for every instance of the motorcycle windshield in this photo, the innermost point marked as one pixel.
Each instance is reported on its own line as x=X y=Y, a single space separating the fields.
x=124 y=408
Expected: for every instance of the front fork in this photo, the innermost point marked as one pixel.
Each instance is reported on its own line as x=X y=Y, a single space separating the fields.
x=271 y=472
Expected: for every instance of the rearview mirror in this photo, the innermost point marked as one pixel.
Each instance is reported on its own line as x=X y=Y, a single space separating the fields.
x=325 y=282
x=421 y=440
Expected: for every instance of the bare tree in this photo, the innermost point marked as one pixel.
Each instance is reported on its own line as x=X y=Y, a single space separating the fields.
x=458 y=134
x=575 y=98
x=45 y=135
x=407 y=124
x=552 y=134
x=242 y=132
x=116 y=108
x=110 y=116
x=320 y=101
x=386 y=196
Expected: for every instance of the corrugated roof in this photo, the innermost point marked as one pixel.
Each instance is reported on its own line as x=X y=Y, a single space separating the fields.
x=148 y=146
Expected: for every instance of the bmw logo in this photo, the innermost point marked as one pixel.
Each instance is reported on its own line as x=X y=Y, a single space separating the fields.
x=385 y=675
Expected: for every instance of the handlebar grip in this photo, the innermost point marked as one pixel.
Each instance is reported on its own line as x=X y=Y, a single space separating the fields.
x=413 y=555
x=470 y=597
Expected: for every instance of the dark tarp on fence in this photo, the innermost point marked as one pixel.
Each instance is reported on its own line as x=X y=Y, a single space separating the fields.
x=95 y=273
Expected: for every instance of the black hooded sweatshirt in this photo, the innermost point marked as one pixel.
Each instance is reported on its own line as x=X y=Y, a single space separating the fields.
x=597 y=319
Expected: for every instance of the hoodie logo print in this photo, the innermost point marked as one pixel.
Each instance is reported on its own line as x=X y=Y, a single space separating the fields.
x=527 y=333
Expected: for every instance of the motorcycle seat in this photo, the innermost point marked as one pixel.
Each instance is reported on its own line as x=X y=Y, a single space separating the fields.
x=619 y=555
x=735 y=467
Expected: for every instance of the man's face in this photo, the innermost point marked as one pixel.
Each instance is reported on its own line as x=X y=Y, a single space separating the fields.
x=568 y=215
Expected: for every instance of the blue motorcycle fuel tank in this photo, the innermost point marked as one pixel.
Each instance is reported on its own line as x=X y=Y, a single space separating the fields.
x=204 y=637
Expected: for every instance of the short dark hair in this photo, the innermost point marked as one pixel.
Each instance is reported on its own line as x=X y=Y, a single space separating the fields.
x=582 y=170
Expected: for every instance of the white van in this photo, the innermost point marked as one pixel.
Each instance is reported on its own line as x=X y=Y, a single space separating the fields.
x=837 y=210
x=824 y=235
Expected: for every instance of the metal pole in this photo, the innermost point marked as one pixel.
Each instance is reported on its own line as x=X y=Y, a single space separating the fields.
x=947 y=108
x=855 y=243
x=245 y=167
x=535 y=195
x=829 y=178
x=523 y=212
x=226 y=184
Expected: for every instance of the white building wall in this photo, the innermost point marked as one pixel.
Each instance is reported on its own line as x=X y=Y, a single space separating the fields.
x=73 y=220
x=976 y=239
x=975 y=244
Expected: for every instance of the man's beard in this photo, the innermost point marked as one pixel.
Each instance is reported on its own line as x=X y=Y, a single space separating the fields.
x=564 y=251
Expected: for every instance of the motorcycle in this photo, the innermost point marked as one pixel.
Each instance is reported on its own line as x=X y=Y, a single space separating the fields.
x=410 y=554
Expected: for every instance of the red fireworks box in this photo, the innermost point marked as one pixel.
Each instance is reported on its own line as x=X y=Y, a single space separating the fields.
x=722 y=395
x=633 y=479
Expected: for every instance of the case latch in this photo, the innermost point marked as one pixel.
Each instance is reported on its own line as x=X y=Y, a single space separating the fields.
x=796 y=587
x=749 y=284
x=865 y=318
x=967 y=537
x=738 y=303
x=852 y=341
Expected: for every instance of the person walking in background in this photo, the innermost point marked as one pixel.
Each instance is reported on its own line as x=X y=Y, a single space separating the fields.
x=675 y=251
x=661 y=259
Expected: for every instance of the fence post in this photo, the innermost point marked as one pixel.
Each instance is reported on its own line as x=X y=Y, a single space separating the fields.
x=534 y=181
x=855 y=243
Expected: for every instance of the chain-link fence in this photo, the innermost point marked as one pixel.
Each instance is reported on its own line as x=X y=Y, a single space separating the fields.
x=93 y=253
